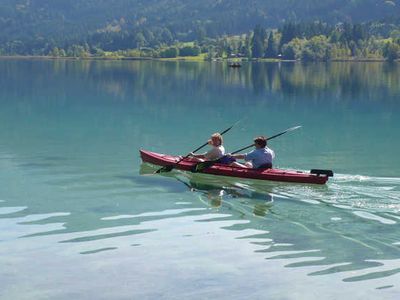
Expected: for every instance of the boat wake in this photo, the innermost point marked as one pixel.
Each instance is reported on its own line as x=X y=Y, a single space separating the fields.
x=373 y=198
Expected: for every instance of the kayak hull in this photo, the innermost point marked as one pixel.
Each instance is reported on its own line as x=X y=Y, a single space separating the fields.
x=225 y=170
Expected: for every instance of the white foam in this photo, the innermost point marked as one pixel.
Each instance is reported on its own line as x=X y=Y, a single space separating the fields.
x=365 y=178
x=348 y=177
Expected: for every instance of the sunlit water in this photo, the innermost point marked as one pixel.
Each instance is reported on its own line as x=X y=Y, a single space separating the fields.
x=80 y=217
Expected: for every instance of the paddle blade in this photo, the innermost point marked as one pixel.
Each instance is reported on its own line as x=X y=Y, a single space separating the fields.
x=202 y=166
x=328 y=173
x=293 y=128
x=283 y=132
x=164 y=169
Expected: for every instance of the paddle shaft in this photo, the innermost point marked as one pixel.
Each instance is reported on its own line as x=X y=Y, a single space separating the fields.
x=270 y=138
x=202 y=165
x=205 y=144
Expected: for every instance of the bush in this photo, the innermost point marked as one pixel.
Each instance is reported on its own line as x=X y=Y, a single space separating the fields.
x=293 y=49
x=189 y=51
x=391 y=51
x=317 y=49
x=169 y=52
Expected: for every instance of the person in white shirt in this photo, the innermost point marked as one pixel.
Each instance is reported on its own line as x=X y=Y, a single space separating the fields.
x=216 y=152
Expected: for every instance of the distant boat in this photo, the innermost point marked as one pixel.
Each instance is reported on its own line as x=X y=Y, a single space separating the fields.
x=235 y=65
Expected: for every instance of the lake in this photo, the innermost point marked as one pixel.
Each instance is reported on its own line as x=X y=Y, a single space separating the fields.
x=81 y=217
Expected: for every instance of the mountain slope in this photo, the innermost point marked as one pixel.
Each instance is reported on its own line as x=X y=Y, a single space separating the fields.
x=62 y=20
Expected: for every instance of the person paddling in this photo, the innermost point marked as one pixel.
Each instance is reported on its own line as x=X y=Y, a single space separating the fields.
x=217 y=150
x=260 y=158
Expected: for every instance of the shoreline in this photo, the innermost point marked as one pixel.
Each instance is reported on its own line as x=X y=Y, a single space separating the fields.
x=188 y=59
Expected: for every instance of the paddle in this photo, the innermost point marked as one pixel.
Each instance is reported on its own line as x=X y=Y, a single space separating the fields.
x=270 y=138
x=203 y=165
x=170 y=167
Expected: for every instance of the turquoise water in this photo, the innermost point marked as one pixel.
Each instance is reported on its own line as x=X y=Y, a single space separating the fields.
x=80 y=216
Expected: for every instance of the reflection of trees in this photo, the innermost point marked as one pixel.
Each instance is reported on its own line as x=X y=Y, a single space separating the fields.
x=342 y=79
x=317 y=79
x=145 y=80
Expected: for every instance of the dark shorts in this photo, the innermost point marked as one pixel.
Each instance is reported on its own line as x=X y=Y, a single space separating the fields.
x=226 y=160
x=265 y=166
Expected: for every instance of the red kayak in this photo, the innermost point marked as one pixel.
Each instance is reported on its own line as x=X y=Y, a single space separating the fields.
x=314 y=176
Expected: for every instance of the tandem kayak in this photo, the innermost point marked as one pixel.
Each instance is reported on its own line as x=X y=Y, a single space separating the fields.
x=314 y=176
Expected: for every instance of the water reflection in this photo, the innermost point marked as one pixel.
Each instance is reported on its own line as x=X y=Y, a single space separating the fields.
x=217 y=191
x=304 y=226
x=142 y=79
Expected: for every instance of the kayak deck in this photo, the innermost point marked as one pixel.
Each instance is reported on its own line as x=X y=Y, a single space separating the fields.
x=226 y=170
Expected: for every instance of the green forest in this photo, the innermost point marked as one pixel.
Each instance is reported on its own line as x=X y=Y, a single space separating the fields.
x=208 y=29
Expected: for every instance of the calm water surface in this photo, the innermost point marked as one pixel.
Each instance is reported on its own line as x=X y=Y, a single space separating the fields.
x=81 y=218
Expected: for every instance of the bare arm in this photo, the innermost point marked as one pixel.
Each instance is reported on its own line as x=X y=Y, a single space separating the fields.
x=197 y=155
x=238 y=156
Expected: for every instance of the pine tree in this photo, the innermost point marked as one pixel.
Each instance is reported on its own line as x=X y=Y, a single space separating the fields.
x=272 y=47
x=288 y=33
x=258 y=47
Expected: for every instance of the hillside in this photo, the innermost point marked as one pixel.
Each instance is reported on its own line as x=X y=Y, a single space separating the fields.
x=26 y=24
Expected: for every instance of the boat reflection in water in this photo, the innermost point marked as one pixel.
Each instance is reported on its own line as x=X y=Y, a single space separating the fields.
x=218 y=190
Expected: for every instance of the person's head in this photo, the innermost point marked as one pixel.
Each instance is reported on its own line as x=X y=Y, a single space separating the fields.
x=260 y=142
x=216 y=140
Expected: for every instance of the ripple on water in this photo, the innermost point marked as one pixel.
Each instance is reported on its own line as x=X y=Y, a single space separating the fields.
x=11 y=210
x=31 y=225
x=98 y=250
x=375 y=217
x=167 y=212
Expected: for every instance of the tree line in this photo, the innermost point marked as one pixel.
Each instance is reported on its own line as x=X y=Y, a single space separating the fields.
x=313 y=41
x=320 y=41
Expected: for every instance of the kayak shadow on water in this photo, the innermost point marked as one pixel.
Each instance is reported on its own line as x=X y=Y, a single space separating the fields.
x=215 y=196
x=215 y=190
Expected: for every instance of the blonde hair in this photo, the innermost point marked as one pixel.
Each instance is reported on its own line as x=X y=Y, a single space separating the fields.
x=218 y=137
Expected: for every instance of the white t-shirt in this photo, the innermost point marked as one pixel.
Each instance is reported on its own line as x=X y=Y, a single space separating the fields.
x=215 y=153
